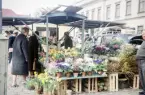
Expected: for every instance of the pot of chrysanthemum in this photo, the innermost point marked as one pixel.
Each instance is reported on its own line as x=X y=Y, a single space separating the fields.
x=68 y=74
x=83 y=74
x=89 y=73
x=59 y=74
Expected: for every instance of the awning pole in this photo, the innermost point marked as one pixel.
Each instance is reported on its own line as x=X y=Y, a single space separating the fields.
x=1 y=17
x=47 y=37
x=83 y=32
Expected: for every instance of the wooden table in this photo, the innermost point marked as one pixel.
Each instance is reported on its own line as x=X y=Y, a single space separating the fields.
x=78 y=83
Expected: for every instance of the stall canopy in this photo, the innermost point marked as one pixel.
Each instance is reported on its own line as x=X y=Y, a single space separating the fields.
x=89 y=24
x=10 y=21
x=69 y=14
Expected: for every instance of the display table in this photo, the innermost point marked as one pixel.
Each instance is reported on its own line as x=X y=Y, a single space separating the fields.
x=92 y=84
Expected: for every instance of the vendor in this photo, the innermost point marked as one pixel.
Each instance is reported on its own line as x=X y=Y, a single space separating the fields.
x=68 y=43
x=141 y=63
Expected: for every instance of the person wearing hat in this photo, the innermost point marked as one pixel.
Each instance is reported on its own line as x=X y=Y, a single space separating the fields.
x=20 y=56
x=68 y=43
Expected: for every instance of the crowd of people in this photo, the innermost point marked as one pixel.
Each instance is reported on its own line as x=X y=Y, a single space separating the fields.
x=23 y=53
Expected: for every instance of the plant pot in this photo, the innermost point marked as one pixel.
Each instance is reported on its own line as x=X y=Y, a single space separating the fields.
x=68 y=74
x=39 y=91
x=76 y=74
x=90 y=73
x=83 y=74
x=100 y=72
x=59 y=74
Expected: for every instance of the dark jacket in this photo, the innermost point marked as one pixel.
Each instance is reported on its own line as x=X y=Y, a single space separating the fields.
x=141 y=51
x=20 y=56
x=67 y=43
x=11 y=41
x=33 y=51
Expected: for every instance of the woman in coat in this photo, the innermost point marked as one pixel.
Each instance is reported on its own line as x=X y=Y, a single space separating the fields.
x=33 y=53
x=20 y=56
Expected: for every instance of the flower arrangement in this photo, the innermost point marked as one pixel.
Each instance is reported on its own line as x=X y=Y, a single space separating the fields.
x=46 y=82
x=100 y=50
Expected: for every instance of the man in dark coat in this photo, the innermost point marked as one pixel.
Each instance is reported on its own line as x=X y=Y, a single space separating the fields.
x=68 y=43
x=33 y=53
x=141 y=63
x=20 y=56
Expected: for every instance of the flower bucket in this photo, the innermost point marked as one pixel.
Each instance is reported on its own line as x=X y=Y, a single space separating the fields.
x=90 y=73
x=68 y=92
x=83 y=74
x=59 y=74
x=44 y=47
x=68 y=74
x=47 y=93
x=76 y=74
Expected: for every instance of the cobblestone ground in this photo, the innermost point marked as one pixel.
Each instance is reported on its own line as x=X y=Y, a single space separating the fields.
x=21 y=90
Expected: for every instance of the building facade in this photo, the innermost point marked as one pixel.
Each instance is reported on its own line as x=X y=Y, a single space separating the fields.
x=130 y=12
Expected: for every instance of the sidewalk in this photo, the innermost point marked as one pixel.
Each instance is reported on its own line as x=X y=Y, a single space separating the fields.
x=23 y=91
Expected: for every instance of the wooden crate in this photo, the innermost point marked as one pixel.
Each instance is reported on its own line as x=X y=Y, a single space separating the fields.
x=113 y=82
x=136 y=82
x=91 y=85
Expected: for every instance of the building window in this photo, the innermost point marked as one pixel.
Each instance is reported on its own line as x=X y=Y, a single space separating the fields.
x=128 y=7
x=141 y=5
x=99 y=13
x=117 y=13
x=93 y=13
x=139 y=29
x=108 y=12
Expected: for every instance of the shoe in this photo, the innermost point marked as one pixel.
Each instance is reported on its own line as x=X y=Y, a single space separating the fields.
x=15 y=86
x=141 y=93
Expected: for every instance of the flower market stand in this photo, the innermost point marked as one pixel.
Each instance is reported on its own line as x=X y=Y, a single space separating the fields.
x=92 y=84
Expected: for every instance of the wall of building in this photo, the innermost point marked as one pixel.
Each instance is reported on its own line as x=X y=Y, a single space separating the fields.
x=133 y=20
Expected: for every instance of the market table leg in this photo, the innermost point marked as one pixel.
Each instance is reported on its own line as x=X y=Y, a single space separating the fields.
x=80 y=85
x=96 y=85
x=77 y=83
x=65 y=87
x=93 y=80
x=89 y=83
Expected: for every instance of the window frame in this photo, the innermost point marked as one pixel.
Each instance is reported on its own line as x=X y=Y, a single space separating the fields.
x=139 y=31
x=128 y=1
x=108 y=6
x=99 y=13
x=139 y=5
x=117 y=16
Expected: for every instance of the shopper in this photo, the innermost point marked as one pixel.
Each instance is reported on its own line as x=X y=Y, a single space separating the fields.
x=20 y=56
x=141 y=63
x=10 y=43
x=33 y=53
x=68 y=43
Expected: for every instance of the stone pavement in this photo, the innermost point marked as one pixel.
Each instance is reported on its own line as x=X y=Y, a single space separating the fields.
x=23 y=91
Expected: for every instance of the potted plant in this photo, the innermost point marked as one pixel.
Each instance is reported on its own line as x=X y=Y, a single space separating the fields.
x=68 y=70
x=38 y=84
x=76 y=70
x=30 y=84
x=49 y=84
x=59 y=70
